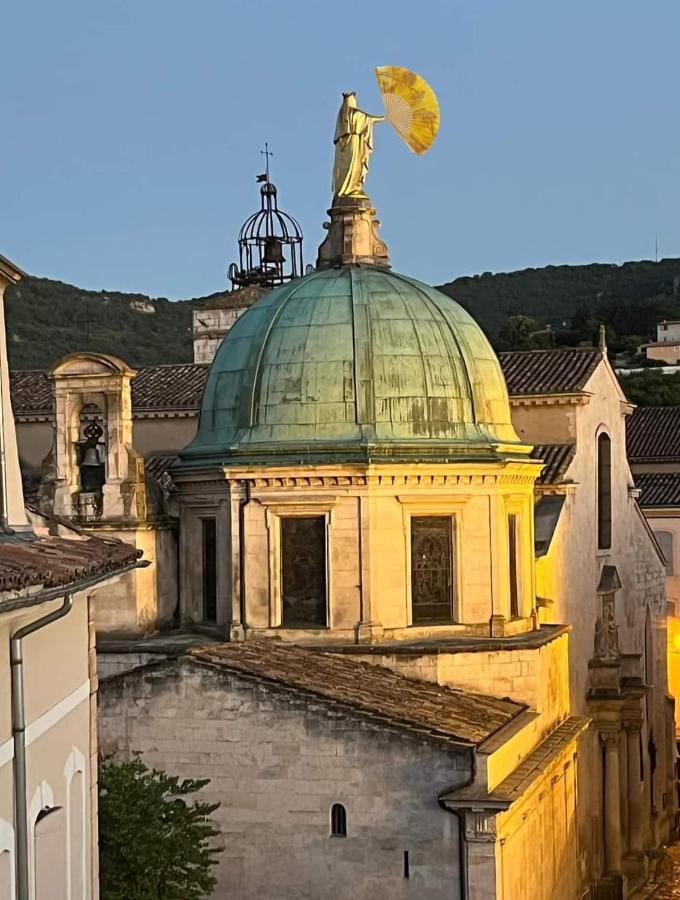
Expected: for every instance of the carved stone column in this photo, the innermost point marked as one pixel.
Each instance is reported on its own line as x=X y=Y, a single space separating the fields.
x=612 y=802
x=633 y=731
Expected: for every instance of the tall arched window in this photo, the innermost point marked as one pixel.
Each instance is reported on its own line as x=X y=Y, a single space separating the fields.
x=338 y=820
x=604 y=492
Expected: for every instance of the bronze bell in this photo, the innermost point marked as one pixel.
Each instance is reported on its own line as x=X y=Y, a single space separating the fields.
x=273 y=251
x=90 y=457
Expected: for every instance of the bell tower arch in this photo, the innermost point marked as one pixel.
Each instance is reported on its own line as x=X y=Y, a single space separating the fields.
x=95 y=466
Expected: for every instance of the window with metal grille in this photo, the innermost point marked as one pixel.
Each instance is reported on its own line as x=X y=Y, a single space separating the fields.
x=604 y=492
x=338 y=820
x=209 y=527
x=513 y=548
x=432 y=569
x=303 y=571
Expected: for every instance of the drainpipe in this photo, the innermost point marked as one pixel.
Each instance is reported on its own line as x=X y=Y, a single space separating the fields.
x=460 y=816
x=19 y=711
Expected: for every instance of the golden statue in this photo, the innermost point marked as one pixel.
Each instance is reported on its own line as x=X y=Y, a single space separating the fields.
x=353 y=146
x=412 y=110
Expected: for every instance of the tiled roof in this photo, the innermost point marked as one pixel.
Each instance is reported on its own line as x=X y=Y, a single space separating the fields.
x=31 y=391
x=172 y=387
x=548 y=371
x=51 y=562
x=374 y=690
x=658 y=488
x=653 y=434
x=556 y=460
x=168 y=387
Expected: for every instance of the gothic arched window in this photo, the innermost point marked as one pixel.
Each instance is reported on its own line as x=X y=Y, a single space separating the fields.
x=604 y=492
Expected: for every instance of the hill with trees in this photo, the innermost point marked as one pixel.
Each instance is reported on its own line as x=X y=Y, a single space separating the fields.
x=555 y=305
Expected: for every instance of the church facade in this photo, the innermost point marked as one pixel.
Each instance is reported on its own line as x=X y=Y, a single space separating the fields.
x=422 y=623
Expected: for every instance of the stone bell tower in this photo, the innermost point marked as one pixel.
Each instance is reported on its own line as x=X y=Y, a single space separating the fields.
x=96 y=473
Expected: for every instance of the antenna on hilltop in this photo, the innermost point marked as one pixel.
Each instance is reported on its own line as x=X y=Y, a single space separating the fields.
x=656 y=249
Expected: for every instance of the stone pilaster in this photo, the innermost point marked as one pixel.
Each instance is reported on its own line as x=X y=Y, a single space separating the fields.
x=612 y=801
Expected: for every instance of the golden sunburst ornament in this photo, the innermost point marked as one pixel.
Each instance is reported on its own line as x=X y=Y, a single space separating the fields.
x=411 y=106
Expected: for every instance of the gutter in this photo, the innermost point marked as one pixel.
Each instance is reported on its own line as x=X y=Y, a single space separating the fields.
x=463 y=872
x=19 y=712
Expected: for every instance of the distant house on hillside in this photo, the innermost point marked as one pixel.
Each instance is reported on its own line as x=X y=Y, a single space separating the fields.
x=666 y=348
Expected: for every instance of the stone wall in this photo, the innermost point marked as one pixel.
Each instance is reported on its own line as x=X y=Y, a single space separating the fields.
x=277 y=762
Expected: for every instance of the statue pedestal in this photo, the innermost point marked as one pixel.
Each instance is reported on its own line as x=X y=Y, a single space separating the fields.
x=352 y=235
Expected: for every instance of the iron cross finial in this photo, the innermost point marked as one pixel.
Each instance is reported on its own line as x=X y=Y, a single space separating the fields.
x=266 y=153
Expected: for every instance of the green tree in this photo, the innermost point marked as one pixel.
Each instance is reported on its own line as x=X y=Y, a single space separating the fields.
x=523 y=333
x=652 y=388
x=153 y=845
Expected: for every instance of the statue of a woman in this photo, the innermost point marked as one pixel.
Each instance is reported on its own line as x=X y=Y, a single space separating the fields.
x=353 y=145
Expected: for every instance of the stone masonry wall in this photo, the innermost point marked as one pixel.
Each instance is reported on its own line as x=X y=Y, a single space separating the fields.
x=277 y=762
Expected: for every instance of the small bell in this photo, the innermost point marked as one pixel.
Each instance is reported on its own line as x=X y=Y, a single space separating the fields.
x=91 y=457
x=273 y=251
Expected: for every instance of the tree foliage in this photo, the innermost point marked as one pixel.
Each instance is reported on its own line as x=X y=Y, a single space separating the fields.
x=523 y=333
x=651 y=388
x=153 y=844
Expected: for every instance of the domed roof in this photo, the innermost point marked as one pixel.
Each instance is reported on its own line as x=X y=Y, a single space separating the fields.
x=354 y=364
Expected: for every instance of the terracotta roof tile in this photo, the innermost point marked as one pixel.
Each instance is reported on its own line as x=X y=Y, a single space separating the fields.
x=374 y=690
x=168 y=387
x=31 y=392
x=172 y=387
x=549 y=371
x=58 y=561
x=556 y=460
x=658 y=488
x=653 y=434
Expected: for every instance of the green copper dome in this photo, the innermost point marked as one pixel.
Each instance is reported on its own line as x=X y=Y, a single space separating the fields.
x=353 y=364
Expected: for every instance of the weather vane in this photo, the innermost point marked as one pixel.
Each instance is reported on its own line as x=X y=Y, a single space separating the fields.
x=412 y=110
x=266 y=153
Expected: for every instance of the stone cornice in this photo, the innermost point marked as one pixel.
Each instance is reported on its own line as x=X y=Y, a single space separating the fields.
x=578 y=399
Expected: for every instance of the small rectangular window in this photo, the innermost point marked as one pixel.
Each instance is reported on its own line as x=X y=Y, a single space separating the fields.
x=432 y=569
x=513 y=549
x=209 y=570
x=303 y=571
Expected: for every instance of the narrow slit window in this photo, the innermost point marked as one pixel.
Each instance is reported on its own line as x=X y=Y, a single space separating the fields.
x=604 y=492
x=209 y=570
x=303 y=571
x=513 y=549
x=432 y=570
x=338 y=820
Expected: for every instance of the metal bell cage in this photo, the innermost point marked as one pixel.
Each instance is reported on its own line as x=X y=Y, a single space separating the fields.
x=270 y=246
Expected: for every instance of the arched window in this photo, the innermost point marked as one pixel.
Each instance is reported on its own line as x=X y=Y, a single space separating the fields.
x=604 y=492
x=338 y=820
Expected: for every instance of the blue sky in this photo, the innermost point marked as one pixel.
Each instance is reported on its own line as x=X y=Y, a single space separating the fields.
x=132 y=129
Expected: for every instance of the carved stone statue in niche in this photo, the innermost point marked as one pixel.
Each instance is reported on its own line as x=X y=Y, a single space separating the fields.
x=606 y=630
